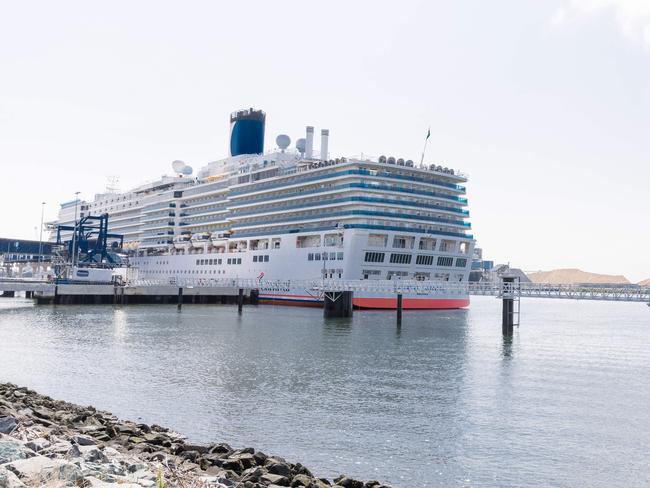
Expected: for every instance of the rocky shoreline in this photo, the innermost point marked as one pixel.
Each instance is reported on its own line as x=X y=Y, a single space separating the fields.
x=46 y=442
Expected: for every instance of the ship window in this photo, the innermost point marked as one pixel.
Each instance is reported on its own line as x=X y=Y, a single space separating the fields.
x=310 y=256
x=197 y=262
x=317 y=256
x=374 y=257
x=333 y=240
x=254 y=259
x=308 y=241
x=403 y=242
x=238 y=260
x=229 y=260
x=464 y=248
x=339 y=256
x=398 y=274
x=427 y=244
x=424 y=260
x=447 y=245
x=461 y=262
x=371 y=273
x=332 y=256
x=266 y=258
x=397 y=258
x=445 y=261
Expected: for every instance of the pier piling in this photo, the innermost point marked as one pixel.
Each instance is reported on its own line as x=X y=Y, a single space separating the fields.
x=179 y=305
x=508 y=308
x=240 y=301
x=399 y=309
x=337 y=304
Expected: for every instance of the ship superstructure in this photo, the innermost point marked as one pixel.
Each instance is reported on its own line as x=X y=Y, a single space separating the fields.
x=296 y=215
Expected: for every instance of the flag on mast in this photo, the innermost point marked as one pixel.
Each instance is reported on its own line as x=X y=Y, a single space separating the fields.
x=426 y=140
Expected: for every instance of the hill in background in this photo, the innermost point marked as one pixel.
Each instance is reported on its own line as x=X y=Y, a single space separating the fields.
x=645 y=282
x=571 y=276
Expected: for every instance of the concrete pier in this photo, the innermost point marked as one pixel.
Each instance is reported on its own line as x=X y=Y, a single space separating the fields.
x=78 y=294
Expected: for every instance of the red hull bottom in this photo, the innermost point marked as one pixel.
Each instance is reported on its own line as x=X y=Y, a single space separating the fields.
x=374 y=303
x=411 y=303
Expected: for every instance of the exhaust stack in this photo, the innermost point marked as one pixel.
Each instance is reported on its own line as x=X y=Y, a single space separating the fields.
x=324 y=138
x=309 y=143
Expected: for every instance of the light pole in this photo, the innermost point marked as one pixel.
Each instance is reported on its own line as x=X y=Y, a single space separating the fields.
x=74 y=232
x=40 y=238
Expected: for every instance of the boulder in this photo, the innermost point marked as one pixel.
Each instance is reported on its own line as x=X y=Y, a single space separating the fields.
x=83 y=440
x=92 y=454
x=277 y=467
x=253 y=474
x=195 y=447
x=346 y=482
x=41 y=467
x=11 y=450
x=275 y=479
x=7 y=425
x=232 y=465
x=260 y=458
x=9 y=480
x=38 y=444
x=97 y=483
x=301 y=480
x=247 y=460
x=221 y=448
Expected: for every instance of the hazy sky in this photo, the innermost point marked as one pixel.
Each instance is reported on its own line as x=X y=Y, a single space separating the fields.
x=545 y=104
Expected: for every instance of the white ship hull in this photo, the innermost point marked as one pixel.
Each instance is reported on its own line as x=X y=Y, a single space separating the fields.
x=281 y=273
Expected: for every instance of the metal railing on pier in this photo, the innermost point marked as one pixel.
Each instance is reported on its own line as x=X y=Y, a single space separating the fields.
x=619 y=293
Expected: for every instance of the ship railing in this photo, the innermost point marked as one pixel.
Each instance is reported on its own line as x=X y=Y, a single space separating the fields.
x=628 y=293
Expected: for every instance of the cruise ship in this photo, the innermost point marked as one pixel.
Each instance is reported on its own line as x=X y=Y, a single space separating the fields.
x=294 y=214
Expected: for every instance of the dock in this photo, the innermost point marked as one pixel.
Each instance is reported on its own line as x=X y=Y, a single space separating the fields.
x=336 y=294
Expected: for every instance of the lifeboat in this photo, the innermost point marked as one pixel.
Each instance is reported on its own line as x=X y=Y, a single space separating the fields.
x=181 y=242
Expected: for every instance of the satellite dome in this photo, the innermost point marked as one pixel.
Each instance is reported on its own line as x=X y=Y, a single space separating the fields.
x=301 y=144
x=391 y=160
x=187 y=170
x=178 y=166
x=283 y=141
x=382 y=159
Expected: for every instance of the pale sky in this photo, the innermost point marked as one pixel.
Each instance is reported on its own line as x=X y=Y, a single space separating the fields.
x=545 y=104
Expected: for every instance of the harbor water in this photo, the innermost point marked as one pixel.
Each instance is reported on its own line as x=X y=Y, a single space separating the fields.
x=444 y=400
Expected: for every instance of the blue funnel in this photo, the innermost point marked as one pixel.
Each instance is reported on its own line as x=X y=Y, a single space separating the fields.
x=247 y=132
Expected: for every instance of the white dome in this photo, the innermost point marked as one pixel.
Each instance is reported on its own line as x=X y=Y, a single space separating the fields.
x=301 y=144
x=283 y=141
x=178 y=166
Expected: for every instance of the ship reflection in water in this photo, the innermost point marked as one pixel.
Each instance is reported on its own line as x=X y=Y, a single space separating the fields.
x=442 y=400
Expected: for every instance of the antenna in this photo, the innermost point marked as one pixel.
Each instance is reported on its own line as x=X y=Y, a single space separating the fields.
x=112 y=184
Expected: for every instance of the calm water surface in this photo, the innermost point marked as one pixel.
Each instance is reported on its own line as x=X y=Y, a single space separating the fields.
x=442 y=401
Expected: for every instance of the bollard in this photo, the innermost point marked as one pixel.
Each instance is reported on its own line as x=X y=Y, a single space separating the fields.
x=179 y=305
x=240 y=300
x=399 y=309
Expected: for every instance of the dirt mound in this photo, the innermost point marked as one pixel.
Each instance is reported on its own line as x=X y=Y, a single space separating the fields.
x=571 y=276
